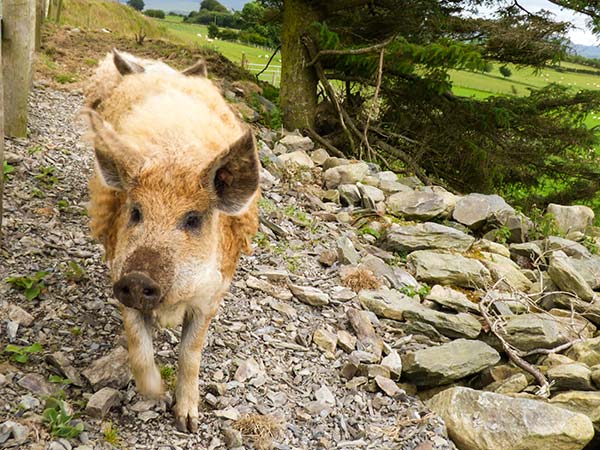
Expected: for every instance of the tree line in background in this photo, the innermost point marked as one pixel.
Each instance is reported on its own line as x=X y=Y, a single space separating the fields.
x=252 y=24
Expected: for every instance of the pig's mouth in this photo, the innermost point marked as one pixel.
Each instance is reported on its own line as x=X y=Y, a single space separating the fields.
x=137 y=290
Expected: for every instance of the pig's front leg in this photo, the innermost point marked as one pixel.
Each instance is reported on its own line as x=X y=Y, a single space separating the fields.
x=138 y=328
x=195 y=326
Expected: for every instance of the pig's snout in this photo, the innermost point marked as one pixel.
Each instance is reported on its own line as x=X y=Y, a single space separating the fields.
x=137 y=290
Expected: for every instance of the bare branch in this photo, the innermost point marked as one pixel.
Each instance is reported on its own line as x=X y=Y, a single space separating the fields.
x=352 y=51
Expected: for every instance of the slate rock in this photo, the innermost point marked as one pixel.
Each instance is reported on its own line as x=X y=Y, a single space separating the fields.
x=449 y=362
x=474 y=210
x=571 y=218
x=417 y=205
x=345 y=174
x=566 y=277
x=111 y=370
x=566 y=377
x=448 y=269
x=424 y=236
x=101 y=402
x=479 y=420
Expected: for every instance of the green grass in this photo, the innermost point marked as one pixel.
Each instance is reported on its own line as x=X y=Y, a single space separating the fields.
x=188 y=33
x=522 y=80
x=121 y=19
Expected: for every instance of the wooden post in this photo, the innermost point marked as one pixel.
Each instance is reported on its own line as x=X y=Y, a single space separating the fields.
x=58 y=10
x=244 y=60
x=18 y=43
x=39 y=20
x=1 y=127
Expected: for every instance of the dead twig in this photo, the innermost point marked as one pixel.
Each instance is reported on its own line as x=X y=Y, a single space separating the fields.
x=375 y=110
x=324 y=142
x=544 y=390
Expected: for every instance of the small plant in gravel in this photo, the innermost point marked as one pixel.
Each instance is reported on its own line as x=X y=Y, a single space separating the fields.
x=35 y=149
x=46 y=176
x=74 y=272
x=167 y=373
x=111 y=434
x=267 y=205
x=59 y=421
x=411 y=291
x=21 y=354
x=7 y=170
x=57 y=379
x=76 y=331
x=62 y=204
x=368 y=230
x=31 y=285
x=37 y=193
x=262 y=240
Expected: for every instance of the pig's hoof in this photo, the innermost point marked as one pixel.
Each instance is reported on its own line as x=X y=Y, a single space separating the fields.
x=186 y=421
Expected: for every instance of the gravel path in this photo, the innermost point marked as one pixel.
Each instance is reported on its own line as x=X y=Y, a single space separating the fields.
x=259 y=360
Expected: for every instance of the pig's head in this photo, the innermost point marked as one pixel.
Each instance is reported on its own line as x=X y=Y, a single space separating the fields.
x=166 y=245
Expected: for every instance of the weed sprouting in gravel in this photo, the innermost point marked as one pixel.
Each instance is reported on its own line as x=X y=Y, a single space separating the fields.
x=59 y=421
x=168 y=374
x=46 y=176
x=111 y=434
x=21 y=354
x=7 y=171
x=31 y=285
x=74 y=272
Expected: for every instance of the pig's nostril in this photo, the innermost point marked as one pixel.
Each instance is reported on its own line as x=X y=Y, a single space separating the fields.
x=125 y=290
x=149 y=292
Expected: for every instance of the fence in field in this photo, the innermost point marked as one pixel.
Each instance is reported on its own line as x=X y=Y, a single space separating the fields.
x=272 y=73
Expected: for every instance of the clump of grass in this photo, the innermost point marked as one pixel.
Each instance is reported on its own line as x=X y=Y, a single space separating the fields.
x=111 y=434
x=262 y=430
x=358 y=278
x=64 y=78
x=32 y=285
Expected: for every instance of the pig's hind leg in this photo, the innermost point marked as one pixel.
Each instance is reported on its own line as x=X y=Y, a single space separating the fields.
x=138 y=328
x=195 y=326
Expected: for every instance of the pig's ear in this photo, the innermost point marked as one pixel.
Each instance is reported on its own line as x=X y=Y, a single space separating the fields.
x=125 y=65
x=114 y=159
x=235 y=176
x=197 y=70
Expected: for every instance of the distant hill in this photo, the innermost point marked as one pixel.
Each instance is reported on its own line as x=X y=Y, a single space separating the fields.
x=589 y=51
x=119 y=18
x=185 y=6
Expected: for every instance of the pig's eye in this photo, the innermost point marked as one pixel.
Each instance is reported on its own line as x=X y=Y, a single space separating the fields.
x=135 y=215
x=191 y=221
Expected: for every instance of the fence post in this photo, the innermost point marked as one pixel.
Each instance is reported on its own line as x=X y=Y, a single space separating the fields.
x=244 y=60
x=18 y=43
x=1 y=127
x=39 y=20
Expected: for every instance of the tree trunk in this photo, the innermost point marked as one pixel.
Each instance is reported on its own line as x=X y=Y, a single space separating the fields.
x=18 y=43
x=298 y=81
x=1 y=129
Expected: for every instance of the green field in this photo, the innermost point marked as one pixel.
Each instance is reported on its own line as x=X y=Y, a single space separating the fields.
x=256 y=57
